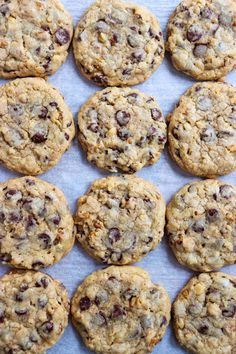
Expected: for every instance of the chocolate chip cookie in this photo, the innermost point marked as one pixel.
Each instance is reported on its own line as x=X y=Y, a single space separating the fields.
x=205 y=314
x=36 y=227
x=33 y=312
x=36 y=127
x=34 y=37
x=119 y=310
x=122 y=129
x=201 y=225
x=117 y=43
x=120 y=219
x=202 y=130
x=202 y=38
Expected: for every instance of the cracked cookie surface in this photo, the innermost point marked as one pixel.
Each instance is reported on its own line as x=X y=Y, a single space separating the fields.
x=33 y=312
x=36 y=128
x=120 y=219
x=202 y=38
x=122 y=129
x=119 y=310
x=36 y=227
x=201 y=225
x=34 y=37
x=205 y=314
x=118 y=43
x=202 y=130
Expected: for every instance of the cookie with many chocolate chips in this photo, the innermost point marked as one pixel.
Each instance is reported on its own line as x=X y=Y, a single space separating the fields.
x=202 y=130
x=120 y=219
x=36 y=226
x=118 y=43
x=33 y=312
x=36 y=127
x=201 y=225
x=205 y=314
x=122 y=129
x=119 y=310
x=202 y=38
x=34 y=37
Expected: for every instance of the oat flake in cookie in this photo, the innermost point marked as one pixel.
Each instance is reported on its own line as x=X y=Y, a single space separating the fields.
x=201 y=225
x=119 y=310
x=122 y=129
x=202 y=38
x=202 y=130
x=33 y=312
x=36 y=227
x=34 y=37
x=120 y=219
x=36 y=126
x=117 y=43
x=205 y=314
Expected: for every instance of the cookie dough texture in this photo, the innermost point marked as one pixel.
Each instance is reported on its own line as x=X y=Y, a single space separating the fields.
x=122 y=129
x=202 y=38
x=205 y=314
x=120 y=219
x=36 y=127
x=119 y=310
x=117 y=43
x=33 y=312
x=201 y=225
x=202 y=130
x=36 y=227
x=34 y=37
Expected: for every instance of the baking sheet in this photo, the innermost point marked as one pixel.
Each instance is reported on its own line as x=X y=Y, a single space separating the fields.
x=74 y=175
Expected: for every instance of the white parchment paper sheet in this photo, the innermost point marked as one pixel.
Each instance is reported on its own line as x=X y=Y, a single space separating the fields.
x=74 y=175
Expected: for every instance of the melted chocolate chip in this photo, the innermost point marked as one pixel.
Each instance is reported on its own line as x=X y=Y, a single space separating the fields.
x=21 y=312
x=4 y=9
x=198 y=226
x=43 y=113
x=62 y=36
x=126 y=72
x=206 y=13
x=47 y=62
x=42 y=302
x=114 y=235
x=67 y=136
x=37 y=265
x=194 y=33
x=45 y=239
x=23 y=287
x=164 y=321
x=53 y=104
x=38 y=138
x=122 y=118
x=84 y=303
x=117 y=312
x=212 y=215
x=19 y=297
x=10 y=193
x=114 y=39
x=203 y=329
x=156 y=114
x=100 y=80
x=15 y=217
x=226 y=191
x=124 y=134
x=56 y=220
x=43 y=282
x=47 y=327
x=230 y=311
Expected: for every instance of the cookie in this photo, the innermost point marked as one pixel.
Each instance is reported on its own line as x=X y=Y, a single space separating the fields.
x=117 y=43
x=122 y=129
x=202 y=38
x=36 y=227
x=33 y=312
x=205 y=314
x=120 y=219
x=202 y=130
x=119 y=310
x=201 y=225
x=36 y=127
x=35 y=36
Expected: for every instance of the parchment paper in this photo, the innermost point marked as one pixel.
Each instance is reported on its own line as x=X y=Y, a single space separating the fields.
x=74 y=175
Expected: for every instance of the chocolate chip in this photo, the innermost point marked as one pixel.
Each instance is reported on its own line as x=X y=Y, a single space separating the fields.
x=4 y=9
x=38 y=138
x=114 y=235
x=37 y=265
x=84 y=303
x=62 y=36
x=23 y=287
x=208 y=135
x=141 y=142
x=31 y=222
x=56 y=220
x=138 y=56
x=16 y=110
x=47 y=327
x=226 y=191
x=129 y=293
x=212 y=215
x=200 y=50
x=224 y=134
x=19 y=297
x=43 y=282
x=194 y=33
x=53 y=104
x=152 y=133
x=114 y=39
x=229 y=311
x=47 y=62
x=122 y=117
x=21 y=312
x=42 y=302
x=156 y=114
x=164 y=321
x=203 y=329
x=67 y=136
x=206 y=13
x=2 y=217
x=10 y=193
x=46 y=28
x=15 y=217
x=43 y=113
x=45 y=239
x=30 y=182
x=93 y=127
x=100 y=80
x=124 y=134
x=126 y=72
x=117 y=312
x=198 y=226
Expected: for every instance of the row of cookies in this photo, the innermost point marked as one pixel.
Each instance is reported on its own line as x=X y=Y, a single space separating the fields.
x=117 y=43
x=118 y=221
x=117 y=310
x=120 y=129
